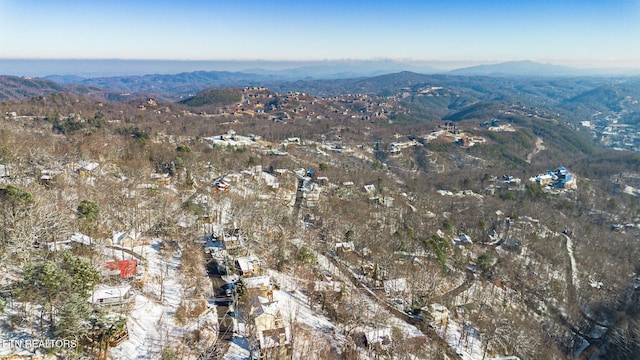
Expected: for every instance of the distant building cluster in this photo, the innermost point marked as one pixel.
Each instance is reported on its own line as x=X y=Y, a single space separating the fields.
x=561 y=178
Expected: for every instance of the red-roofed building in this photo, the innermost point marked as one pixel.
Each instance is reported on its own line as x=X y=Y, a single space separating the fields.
x=122 y=268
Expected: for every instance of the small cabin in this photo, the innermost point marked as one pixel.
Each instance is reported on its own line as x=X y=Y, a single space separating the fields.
x=111 y=296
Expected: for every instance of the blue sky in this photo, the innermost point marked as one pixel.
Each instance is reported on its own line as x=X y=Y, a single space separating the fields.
x=571 y=32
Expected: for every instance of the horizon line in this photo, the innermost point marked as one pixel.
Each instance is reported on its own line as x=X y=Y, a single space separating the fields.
x=593 y=63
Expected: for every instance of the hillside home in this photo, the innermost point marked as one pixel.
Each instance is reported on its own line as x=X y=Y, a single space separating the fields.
x=258 y=286
x=111 y=296
x=273 y=336
x=78 y=238
x=310 y=191
x=560 y=178
x=161 y=179
x=85 y=168
x=221 y=185
x=462 y=239
x=248 y=265
x=231 y=238
x=47 y=176
x=322 y=180
x=59 y=245
x=121 y=268
x=344 y=247
x=328 y=286
x=125 y=238
x=292 y=140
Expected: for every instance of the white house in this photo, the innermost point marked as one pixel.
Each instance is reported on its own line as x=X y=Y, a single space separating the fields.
x=248 y=265
x=116 y=295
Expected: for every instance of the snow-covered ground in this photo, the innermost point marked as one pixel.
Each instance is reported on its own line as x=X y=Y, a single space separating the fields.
x=151 y=323
x=370 y=305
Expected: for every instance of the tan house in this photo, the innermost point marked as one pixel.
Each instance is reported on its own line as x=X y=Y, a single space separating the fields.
x=259 y=286
x=272 y=335
x=161 y=179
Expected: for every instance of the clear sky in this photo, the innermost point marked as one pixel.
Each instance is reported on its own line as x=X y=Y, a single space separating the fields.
x=603 y=32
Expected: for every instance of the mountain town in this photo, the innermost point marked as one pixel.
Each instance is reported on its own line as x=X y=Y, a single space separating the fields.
x=247 y=223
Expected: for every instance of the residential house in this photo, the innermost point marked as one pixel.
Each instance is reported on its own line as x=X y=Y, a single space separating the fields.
x=273 y=336
x=258 y=286
x=121 y=268
x=78 y=238
x=161 y=179
x=462 y=239
x=59 y=245
x=125 y=238
x=344 y=247
x=81 y=238
x=111 y=296
x=47 y=176
x=370 y=188
x=310 y=191
x=231 y=238
x=322 y=180
x=85 y=168
x=328 y=286
x=248 y=265
x=221 y=185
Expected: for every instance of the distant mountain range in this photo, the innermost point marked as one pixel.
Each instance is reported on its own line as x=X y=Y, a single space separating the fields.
x=528 y=83
x=535 y=69
x=519 y=68
x=76 y=71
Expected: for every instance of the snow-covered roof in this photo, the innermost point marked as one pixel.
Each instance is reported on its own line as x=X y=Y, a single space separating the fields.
x=269 y=308
x=115 y=292
x=464 y=238
x=347 y=246
x=87 y=165
x=58 y=245
x=246 y=263
x=119 y=236
x=81 y=238
x=257 y=282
